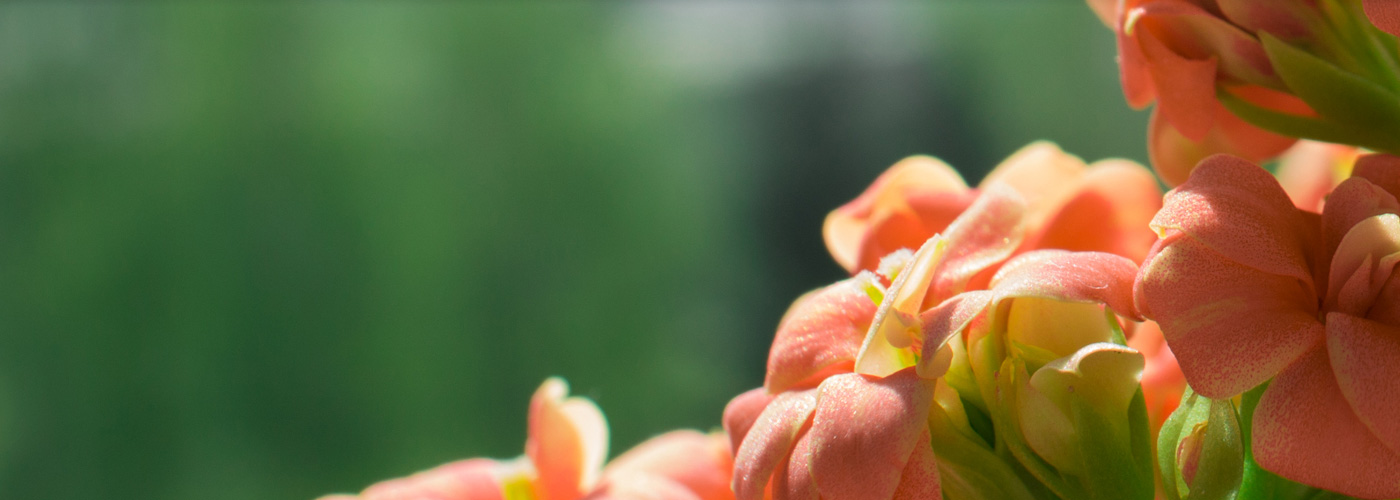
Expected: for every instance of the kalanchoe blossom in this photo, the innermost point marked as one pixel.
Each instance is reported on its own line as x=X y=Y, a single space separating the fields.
x=1247 y=288
x=1247 y=77
x=1102 y=207
x=1179 y=54
x=563 y=460
x=1310 y=170
x=1385 y=14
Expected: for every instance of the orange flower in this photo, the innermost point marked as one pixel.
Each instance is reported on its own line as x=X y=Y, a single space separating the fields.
x=1248 y=289
x=1181 y=53
x=563 y=460
x=1071 y=206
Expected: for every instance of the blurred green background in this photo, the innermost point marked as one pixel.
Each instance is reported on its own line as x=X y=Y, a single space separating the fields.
x=256 y=251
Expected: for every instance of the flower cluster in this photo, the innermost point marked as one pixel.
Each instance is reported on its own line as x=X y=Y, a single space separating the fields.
x=1065 y=330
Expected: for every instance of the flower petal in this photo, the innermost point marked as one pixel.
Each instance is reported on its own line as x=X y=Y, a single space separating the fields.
x=1109 y=212
x=821 y=331
x=1305 y=430
x=1355 y=199
x=1238 y=210
x=920 y=477
x=567 y=443
x=793 y=478
x=1363 y=354
x=1309 y=170
x=1185 y=87
x=865 y=431
x=700 y=463
x=770 y=441
x=1196 y=34
x=741 y=413
x=914 y=199
x=1282 y=18
x=471 y=479
x=1232 y=327
x=1385 y=14
x=1070 y=276
x=896 y=321
x=944 y=321
x=1363 y=261
x=642 y=487
x=987 y=233
x=1043 y=174
x=1382 y=170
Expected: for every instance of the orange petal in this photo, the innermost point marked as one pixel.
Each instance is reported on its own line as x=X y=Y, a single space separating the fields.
x=895 y=327
x=1385 y=14
x=568 y=441
x=1133 y=73
x=770 y=441
x=1310 y=169
x=1382 y=170
x=1386 y=309
x=1231 y=327
x=1363 y=354
x=1043 y=174
x=1185 y=87
x=1108 y=213
x=1107 y=10
x=1305 y=430
x=741 y=413
x=822 y=330
x=1288 y=19
x=1174 y=155
x=472 y=479
x=865 y=431
x=1239 y=210
x=700 y=463
x=1195 y=34
x=907 y=204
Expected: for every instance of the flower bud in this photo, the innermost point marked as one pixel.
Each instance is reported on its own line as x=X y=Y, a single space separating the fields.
x=1200 y=453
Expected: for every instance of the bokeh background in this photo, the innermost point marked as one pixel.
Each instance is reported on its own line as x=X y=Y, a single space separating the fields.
x=261 y=251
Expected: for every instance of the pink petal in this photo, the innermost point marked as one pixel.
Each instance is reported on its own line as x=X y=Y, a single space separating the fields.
x=1385 y=14
x=1107 y=10
x=1382 y=170
x=907 y=204
x=944 y=321
x=1363 y=355
x=864 y=432
x=643 y=487
x=986 y=234
x=920 y=479
x=1364 y=259
x=1238 y=210
x=793 y=478
x=1133 y=73
x=472 y=479
x=1108 y=213
x=1386 y=308
x=1070 y=276
x=741 y=413
x=822 y=330
x=1355 y=199
x=770 y=441
x=567 y=443
x=1305 y=430
x=1231 y=327
x=701 y=463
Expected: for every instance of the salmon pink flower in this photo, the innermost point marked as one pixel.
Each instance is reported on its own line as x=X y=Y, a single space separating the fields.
x=1385 y=14
x=1072 y=206
x=1310 y=170
x=563 y=460
x=1248 y=289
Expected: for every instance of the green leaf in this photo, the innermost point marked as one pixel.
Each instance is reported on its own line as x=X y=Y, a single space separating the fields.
x=1338 y=95
x=968 y=469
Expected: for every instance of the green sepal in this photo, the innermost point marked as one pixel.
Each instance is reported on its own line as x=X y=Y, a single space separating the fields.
x=1113 y=469
x=968 y=469
x=1220 y=466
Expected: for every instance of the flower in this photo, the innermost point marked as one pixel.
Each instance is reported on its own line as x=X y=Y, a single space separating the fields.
x=1067 y=203
x=855 y=402
x=1180 y=54
x=1249 y=289
x=563 y=460
x=1385 y=14
x=1310 y=169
